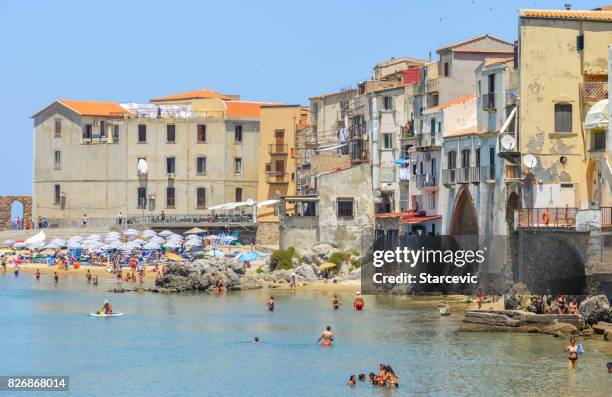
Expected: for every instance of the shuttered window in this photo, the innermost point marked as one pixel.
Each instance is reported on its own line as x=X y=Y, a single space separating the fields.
x=563 y=117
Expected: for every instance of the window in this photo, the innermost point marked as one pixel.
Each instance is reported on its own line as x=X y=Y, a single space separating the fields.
x=102 y=129
x=479 y=87
x=170 y=165
x=452 y=160
x=279 y=134
x=387 y=140
x=563 y=117
x=432 y=126
x=238 y=165
x=432 y=200
x=599 y=140
x=238 y=194
x=116 y=133
x=142 y=197
x=201 y=165
x=56 y=194
x=87 y=131
x=477 y=157
x=58 y=128
x=201 y=133
x=142 y=133
x=387 y=103
x=201 y=197
x=170 y=197
x=465 y=158
x=580 y=42
x=58 y=159
x=170 y=133
x=238 y=134
x=446 y=69
x=344 y=207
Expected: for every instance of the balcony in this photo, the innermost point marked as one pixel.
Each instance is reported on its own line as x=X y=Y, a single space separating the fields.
x=407 y=132
x=593 y=91
x=547 y=217
x=277 y=177
x=513 y=171
x=463 y=175
x=277 y=149
x=426 y=181
x=606 y=216
x=449 y=177
x=482 y=173
x=426 y=142
x=488 y=101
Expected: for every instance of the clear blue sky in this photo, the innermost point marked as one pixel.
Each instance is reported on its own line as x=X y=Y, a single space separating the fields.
x=264 y=50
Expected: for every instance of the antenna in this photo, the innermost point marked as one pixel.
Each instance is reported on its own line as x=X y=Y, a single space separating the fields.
x=530 y=161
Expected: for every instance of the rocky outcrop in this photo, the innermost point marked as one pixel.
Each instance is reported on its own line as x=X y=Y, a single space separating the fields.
x=523 y=321
x=202 y=274
x=596 y=308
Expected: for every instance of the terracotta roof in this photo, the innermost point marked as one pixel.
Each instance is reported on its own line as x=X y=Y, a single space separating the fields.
x=333 y=94
x=451 y=103
x=468 y=51
x=91 y=108
x=473 y=39
x=586 y=15
x=465 y=131
x=245 y=109
x=198 y=94
x=496 y=61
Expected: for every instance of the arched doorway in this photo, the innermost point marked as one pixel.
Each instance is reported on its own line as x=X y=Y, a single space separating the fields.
x=593 y=190
x=24 y=209
x=17 y=212
x=511 y=206
x=464 y=220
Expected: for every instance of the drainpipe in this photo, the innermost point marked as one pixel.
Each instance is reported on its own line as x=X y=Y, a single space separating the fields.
x=375 y=154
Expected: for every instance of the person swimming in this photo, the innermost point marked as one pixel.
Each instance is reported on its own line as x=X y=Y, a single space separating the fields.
x=107 y=308
x=352 y=380
x=326 y=337
x=336 y=302
x=37 y=274
x=390 y=377
x=362 y=377
x=358 y=304
x=572 y=352
x=270 y=304
x=256 y=340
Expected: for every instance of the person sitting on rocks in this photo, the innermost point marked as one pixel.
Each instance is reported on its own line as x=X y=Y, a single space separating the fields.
x=561 y=303
x=573 y=306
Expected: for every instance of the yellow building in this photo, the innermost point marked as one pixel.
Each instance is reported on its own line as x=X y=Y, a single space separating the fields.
x=563 y=72
x=276 y=167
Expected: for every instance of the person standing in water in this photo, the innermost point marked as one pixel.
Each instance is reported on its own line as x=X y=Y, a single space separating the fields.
x=326 y=337
x=56 y=277
x=292 y=282
x=16 y=270
x=37 y=274
x=270 y=304
x=88 y=276
x=95 y=280
x=336 y=302
x=572 y=353
x=358 y=304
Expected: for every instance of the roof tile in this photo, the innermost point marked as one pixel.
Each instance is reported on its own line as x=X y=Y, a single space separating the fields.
x=586 y=15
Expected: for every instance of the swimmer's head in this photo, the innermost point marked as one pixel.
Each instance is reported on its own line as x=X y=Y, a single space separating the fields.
x=362 y=377
x=256 y=339
x=572 y=341
x=357 y=293
x=328 y=328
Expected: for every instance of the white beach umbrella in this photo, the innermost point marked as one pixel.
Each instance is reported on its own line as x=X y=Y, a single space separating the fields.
x=131 y=232
x=165 y=233
x=93 y=237
x=8 y=242
x=267 y=203
x=74 y=245
x=193 y=243
x=152 y=245
x=148 y=233
x=38 y=237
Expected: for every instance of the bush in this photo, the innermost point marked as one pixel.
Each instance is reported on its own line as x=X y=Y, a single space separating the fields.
x=356 y=263
x=259 y=270
x=281 y=259
x=338 y=257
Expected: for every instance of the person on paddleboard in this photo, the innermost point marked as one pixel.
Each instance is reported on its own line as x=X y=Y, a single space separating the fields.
x=107 y=308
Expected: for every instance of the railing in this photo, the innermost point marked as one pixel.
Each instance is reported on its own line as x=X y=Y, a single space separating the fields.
x=276 y=177
x=148 y=220
x=449 y=176
x=277 y=149
x=488 y=101
x=427 y=139
x=475 y=174
x=426 y=180
x=463 y=175
x=594 y=91
x=511 y=96
x=487 y=172
x=606 y=216
x=358 y=149
x=547 y=217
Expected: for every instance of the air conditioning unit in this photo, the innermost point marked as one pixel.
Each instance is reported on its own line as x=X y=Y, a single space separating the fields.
x=171 y=175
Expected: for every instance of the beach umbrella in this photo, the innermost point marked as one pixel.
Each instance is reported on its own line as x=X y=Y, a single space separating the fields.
x=94 y=237
x=74 y=245
x=19 y=244
x=327 y=266
x=171 y=244
x=75 y=238
x=148 y=233
x=131 y=232
x=138 y=241
x=9 y=242
x=38 y=237
x=267 y=203
x=229 y=238
x=212 y=237
x=193 y=243
x=195 y=230
x=152 y=245
x=165 y=233
x=248 y=256
x=174 y=257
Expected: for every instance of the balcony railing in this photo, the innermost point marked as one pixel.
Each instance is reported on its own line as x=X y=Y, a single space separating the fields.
x=449 y=176
x=513 y=171
x=511 y=96
x=426 y=180
x=488 y=101
x=475 y=174
x=547 y=217
x=427 y=139
x=593 y=91
x=486 y=172
x=463 y=175
x=606 y=216
x=277 y=149
x=277 y=177
x=149 y=220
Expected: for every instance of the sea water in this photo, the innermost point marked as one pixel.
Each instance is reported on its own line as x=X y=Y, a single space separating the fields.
x=200 y=344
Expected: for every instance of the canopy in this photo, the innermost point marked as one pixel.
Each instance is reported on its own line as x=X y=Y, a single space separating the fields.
x=195 y=230
x=131 y=232
x=174 y=257
x=327 y=265
x=597 y=116
x=267 y=203
x=248 y=256
x=37 y=238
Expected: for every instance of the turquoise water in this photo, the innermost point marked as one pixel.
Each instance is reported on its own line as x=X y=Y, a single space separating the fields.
x=200 y=344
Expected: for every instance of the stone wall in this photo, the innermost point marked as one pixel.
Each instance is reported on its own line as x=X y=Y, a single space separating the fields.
x=5 y=209
x=267 y=233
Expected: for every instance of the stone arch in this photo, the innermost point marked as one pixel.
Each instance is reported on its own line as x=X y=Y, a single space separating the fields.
x=464 y=220
x=512 y=204
x=6 y=203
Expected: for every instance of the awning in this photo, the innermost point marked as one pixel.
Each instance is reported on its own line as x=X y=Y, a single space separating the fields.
x=396 y=214
x=419 y=219
x=266 y=203
x=597 y=116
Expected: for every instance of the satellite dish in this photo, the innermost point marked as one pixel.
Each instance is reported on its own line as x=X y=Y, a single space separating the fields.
x=529 y=160
x=250 y=202
x=507 y=142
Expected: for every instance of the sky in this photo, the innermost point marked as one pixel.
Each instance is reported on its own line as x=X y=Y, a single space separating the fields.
x=268 y=50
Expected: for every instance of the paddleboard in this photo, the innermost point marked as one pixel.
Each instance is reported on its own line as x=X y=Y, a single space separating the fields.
x=106 y=315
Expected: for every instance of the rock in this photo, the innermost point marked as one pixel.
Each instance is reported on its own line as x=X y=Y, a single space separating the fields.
x=445 y=309
x=596 y=308
x=563 y=328
x=295 y=262
x=601 y=327
x=608 y=335
x=355 y=274
x=489 y=318
x=323 y=250
x=514 y=296
x=305 y=273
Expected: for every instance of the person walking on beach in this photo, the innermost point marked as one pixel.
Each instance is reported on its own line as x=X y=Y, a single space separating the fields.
x=336 y=302
x=358 y=304
x=270 y=304
x=3 y=264
x=479 y=298
x=326 y=337
x=84 y=221
x=120 y=218
x=16 y=270
x=40 y=225
x=572 y=353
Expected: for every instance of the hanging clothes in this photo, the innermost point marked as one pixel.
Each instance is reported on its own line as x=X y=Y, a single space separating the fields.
x=404 y=175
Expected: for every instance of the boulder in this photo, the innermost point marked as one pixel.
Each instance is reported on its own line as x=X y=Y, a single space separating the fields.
x=560 y=329
x=305 y=273
x=596 y=308
x=601 y=327
x=489 y=318
x=608 y=335
x=323 y=250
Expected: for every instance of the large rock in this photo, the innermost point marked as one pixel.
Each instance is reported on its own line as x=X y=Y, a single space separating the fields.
x=560 y=328
x=514 y=297
x=601 y=327
x=323 y=250
x=201 y=275
x=306 y=273
x=596 y=308
x=489 y=318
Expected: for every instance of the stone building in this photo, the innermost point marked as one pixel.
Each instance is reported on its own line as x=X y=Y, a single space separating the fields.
x=179 y=154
